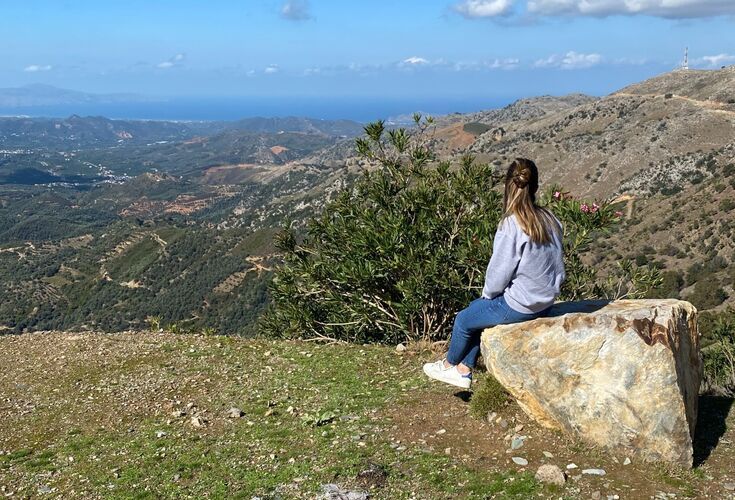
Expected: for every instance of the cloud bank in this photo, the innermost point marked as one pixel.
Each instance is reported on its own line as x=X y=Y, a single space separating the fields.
x=35 y=68
x=714 y=62
x=672 y=9
x=659 y=8
x=570 y=60
x=175 y=61
x=484 y=8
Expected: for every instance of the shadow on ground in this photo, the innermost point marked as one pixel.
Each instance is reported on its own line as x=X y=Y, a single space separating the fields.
x=711 y=425
x=464 y=395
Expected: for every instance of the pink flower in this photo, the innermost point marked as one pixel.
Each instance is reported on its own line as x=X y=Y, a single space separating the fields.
x=618 y=214
x=595 y=208
x=584 y=208
x=557 y=195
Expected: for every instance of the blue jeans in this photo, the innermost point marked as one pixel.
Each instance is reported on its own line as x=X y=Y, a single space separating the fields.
x=464 y=346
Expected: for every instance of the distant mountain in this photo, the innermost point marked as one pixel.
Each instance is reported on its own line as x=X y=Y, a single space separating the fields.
x=96 y=131
x=334 y=128
x=47 y=95
x=82 y=132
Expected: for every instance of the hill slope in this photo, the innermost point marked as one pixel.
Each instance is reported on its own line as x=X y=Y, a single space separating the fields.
x=612 y=144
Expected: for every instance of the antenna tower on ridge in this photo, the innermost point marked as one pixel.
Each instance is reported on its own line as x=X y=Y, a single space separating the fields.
x=685 y=64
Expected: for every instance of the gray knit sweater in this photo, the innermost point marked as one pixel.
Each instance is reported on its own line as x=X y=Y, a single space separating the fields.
x=527 y=274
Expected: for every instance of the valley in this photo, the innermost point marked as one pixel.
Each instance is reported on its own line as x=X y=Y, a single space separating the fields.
x=109 y=224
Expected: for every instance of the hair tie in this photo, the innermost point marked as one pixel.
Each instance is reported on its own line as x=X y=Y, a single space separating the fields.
x=520 y=179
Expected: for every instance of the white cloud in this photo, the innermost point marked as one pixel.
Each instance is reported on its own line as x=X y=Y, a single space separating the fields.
x=273 y=68
x=34 y=68
x=415 y=61
x=714 y=62
x=659 y=8
x=508 y=63
x=176 y=60
x=296 y=10
x=484 y=8
x=570 y=60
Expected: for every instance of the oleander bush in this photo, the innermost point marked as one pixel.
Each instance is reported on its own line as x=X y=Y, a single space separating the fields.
x=400 y=252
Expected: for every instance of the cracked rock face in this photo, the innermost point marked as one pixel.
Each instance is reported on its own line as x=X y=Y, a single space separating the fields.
x=621 y=375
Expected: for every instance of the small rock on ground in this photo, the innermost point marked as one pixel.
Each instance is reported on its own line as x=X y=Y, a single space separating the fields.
x=235 y=413
x=594 y=472
x=550 y=474
x=334 y=492
x=520 y=460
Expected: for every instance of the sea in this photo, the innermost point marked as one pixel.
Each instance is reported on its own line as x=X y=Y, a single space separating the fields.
x=360 y=109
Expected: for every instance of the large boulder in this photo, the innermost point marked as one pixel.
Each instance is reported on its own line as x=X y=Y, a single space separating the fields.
x=622 y=374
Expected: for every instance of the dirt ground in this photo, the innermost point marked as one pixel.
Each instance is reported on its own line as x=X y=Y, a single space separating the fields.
x=147 y=415
x=440 y=419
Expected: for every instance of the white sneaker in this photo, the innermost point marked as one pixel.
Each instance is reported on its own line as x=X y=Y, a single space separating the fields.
x=450 y=375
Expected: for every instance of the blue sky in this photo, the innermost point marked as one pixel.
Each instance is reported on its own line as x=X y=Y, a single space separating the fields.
x=398 y=48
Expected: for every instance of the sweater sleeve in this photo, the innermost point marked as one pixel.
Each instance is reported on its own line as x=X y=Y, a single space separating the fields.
x=503 y=262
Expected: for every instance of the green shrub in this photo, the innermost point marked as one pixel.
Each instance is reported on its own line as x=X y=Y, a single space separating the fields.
x=671 y=285
x=694 y=273
x=398 y=254
x=718 y=351
x=707 y=295
x=489 y=396
x=727 y=205
x=476 y=128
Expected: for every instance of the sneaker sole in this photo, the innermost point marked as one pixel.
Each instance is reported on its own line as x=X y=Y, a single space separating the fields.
x=463 y=384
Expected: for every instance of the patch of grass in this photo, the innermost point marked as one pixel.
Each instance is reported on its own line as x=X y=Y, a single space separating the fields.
x=440 y=473
x=488 y=397
x=17 y=456
x=680 y=479
x=476 y=128
x=41 y=461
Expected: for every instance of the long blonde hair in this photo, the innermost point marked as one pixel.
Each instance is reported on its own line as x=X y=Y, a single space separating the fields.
x=521 y=184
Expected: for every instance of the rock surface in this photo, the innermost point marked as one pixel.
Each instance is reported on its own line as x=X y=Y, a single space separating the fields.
x=622 y=374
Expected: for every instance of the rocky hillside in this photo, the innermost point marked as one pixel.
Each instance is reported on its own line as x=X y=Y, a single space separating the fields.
x=639 y=140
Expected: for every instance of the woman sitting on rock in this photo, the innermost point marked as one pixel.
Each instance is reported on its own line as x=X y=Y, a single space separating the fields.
x=523 y=278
